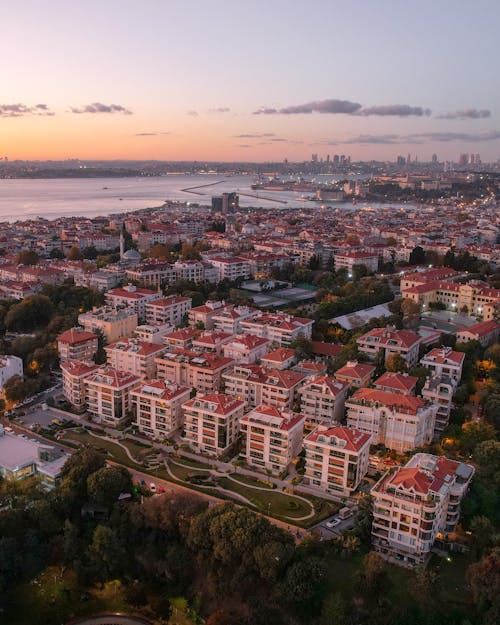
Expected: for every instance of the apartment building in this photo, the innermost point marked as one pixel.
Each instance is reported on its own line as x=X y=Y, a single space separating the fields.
x=400 y=422
x=231 y=268
x=212 y=421
x=355 y=373
x=394 y=382
x=113 y=324
x=152 y=274
x=190 y=270
x=322 y=400
x=443 y=361
x=348 y=260
x=336 y=458
x=153 y=333
x=108 y=394
x=200 y=371
x=74 y=373
x=272 y=437
x=390 y=341
x=171 y=310
x=157 y=407
x=132 y=297
x=212 y=341
x=77 y=344
x=134 y=356
x=229 y=319
x=257 y=385
x=278 y=327
x=281 y=358
x=416 y=503
x=182 y=338
x=9 y=367
x=204 y=315
x=246 y=348
x=439 y=390
x=486 y=332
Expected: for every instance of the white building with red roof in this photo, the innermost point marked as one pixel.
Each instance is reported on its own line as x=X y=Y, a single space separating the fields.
x=212 y=341
x=322 y=400
x=200 y=371
x=181 y=338
x=336 y=458
x=134 y=356
x=230 y=318
x=74 y=373
x=416 y=504
x=486 y=332
x=132 y=297
x=390 y=341
x=355 y=373
x=395 y=382
x=157 y=407
x=280 y=358
x=246 y=348
x=171 y=310
x=278 y=327
x=108 y=394
x=443 y=361
x=347 y=260
x=212 y=422
x=257 y=385
x=272 y=437
x=77 y=344
x=204 y=315
x=400 y=422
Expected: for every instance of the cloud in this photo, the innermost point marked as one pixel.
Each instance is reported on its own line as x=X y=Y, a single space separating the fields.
x=99 y=107
x=255 y=135
x=398 y=110
x=466 y=114
x=21 y=110
x=418 y=138
x=346 y=107
x=192 y=113
x=220 y=109
x=331 y=106
x=244 y=145
x=151 y=134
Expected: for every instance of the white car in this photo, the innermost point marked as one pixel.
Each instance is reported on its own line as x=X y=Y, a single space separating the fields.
x=332 y=523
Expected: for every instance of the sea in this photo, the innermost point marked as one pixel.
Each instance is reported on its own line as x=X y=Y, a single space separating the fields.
x=22 y=199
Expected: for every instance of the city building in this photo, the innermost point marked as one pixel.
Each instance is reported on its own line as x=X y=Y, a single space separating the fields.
x=416 y=504
x=9 y=367
x=246 y=348
x=390 y=341
x=280 y=358
x=132 y=297
x=443 y=361
x=348 y=260
x=322 y=400
x=77 y=344
x=256 y=385
x=394 y=382
x=108 y=394
x=278 y=327
x=400 y=422
x=439 y=390
x=157 y=407
x=200 y=371
x=272 y=437
x=357 y=374
x=486 y=332
x=204 y=315
x=336 y=458
x=134 y=356
x=171 y=310
x=114 y=324
x=211 y=422
x=74 y=373
x=229 y=318
x=21 y=458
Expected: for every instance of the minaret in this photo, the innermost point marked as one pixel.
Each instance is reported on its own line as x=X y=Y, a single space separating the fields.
x=122 y=244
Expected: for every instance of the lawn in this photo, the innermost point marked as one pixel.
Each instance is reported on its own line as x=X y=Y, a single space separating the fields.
x=183 y=473
x=53 y=599
x=196 y=464
x=269 y=501
x=116 y=452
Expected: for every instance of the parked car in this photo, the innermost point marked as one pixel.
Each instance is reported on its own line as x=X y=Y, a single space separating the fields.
x=332 y=523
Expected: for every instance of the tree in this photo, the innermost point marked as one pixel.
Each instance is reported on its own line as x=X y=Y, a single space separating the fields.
x=303 y=581
x=484 y=535
x=303 y=347
x=159 y=251
x=56 y=253
x=417 y=256
x=33 y=312
x=396 y=363
x=75 y=253
x=474 y=433
x=90 y=253
x=104 y=485
x=18 y=388
x=373 y=570
x=483 y=578
x=334 y=611
x=487 y=456
x=27 y=257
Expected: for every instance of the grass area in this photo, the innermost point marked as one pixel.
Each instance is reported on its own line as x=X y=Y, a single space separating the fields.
x=108 y=447
x=196 y=464
x=183 y=473
x=269 y=501
x=54 y=598
x=251 y=481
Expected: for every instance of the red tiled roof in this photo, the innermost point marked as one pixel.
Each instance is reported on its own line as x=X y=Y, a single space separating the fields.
x=75 y=336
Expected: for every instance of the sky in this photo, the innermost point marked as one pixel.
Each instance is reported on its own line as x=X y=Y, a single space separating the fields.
x=251 y=81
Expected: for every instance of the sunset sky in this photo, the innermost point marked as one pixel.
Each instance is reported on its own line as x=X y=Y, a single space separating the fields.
x=232 y=80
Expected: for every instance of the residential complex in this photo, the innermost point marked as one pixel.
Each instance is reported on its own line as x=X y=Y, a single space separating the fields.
x=114 y=324
x=322 y=400
x=389 y=341
x=77 y=344
x=108 y=394
x=157 y=407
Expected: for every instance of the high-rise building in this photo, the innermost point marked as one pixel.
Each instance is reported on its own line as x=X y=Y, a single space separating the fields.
x=434 y=158
x=463 y=159
x=217 y=204
x=230 y=202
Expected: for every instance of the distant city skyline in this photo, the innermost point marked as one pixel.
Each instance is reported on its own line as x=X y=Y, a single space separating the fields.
x=253 y=82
